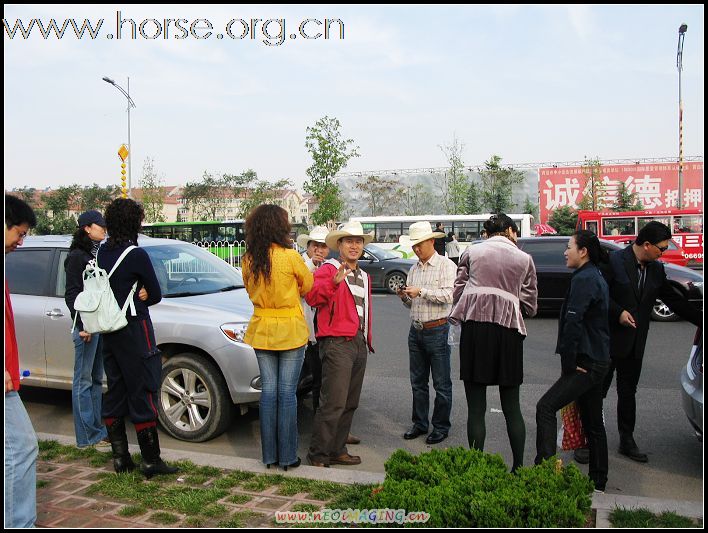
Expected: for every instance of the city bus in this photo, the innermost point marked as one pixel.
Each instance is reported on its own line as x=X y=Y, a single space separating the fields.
x=225 y=239
x=388 y=229
x=686 y=227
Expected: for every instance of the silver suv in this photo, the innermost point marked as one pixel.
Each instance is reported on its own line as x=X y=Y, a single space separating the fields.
x=199 y=326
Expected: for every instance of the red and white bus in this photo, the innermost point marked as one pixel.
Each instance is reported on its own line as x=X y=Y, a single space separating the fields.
x=686 y=227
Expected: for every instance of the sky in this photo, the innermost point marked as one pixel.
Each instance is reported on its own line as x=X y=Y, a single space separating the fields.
x=527 y=83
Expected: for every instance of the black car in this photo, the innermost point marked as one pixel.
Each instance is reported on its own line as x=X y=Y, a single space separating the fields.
x=386 y=269
x=554 y=277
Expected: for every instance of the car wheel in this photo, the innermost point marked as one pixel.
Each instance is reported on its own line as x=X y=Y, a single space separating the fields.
x=662 y=313
x=395 y=280
x=194 y=403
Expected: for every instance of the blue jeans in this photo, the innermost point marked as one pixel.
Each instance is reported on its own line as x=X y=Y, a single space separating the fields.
x=280 y=371
x=20 y=464
x=86 y=390
x=586 y=390
x=429 y=352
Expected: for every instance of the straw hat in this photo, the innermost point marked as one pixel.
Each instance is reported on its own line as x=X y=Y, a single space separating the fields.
x=348 y=229
x=318 y=234
x=419 y=232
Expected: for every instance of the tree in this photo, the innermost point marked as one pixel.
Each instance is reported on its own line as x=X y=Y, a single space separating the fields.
x=564 y=220
x=207 y=199
x=261 y=192
x=530 y=207
x=474 y=199
x=61 y=200
x=454 y=184
x=626 y=201
x=28 y=195
x=594 y=189
x=330 y=153
x=381 y=193
x=415 y=199
x=97 y=197
x=153 y=198
x=498 y=185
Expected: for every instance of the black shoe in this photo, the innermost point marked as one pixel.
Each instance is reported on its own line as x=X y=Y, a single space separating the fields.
x=582 y=455
x=150 y=449
x=414 y=433
x=631 y=450
x=292 y=465
x=435 y=437
x=122 y=462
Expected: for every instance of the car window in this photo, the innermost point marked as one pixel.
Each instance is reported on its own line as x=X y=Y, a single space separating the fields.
x=545 y=253
x=61 y=274
x=381 y=253
x=28 y=271
x=183 y=269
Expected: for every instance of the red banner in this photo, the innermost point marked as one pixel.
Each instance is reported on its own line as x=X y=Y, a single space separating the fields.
x=654 y=184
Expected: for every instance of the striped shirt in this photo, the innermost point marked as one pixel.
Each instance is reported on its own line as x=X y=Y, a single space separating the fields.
x=355 y=280
x=436 y=279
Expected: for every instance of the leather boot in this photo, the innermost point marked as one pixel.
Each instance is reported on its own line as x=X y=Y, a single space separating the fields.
x=150 y=449
x=122 y=462
x=629 y=448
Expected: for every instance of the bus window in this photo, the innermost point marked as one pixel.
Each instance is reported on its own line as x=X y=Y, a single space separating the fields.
x=643 y=221
x=388 y=231
x=618 y=226
x=183 y=233
x=467 y=231
x=591 y=225
x=163 y=232
x=688 y=224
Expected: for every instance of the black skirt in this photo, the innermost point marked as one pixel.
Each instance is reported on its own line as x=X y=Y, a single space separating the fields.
x=491 y=354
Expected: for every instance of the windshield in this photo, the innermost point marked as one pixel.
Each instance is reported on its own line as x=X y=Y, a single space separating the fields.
x=187 y=270
x=382 y=254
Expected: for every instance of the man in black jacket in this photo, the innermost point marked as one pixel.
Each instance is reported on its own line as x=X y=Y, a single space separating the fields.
x=636 y=280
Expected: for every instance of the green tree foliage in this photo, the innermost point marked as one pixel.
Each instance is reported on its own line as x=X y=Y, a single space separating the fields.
x=330 y=153
x=454 y=184
x=153 y=197
x=381 y=194
x=261 y=192
x=564 y=220
x=415 y=199
x=474 y=203
x=97 y=197
x=626 y=201
x=498 y=185
x=28 y=195
x=207 y=199
x=530 y=207
x=594 y=189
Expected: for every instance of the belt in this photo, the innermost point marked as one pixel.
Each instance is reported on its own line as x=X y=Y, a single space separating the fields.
x=417 y=324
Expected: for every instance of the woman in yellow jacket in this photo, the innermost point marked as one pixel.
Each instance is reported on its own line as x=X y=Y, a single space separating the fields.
x=276 y=278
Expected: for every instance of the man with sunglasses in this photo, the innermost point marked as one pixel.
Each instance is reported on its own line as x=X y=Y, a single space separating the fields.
x=636 y=280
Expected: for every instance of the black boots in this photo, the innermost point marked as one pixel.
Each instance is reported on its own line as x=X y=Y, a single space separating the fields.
x=629 y=448
x=122 y=462
x=150 y=450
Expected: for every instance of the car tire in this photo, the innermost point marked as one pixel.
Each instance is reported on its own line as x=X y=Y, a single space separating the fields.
x=394 y=280
x=661 y=313
x=185 y=376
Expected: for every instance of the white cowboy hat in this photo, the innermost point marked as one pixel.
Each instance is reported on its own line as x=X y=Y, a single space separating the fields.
x=419 y=232
x=318 y=234
x=348 y=229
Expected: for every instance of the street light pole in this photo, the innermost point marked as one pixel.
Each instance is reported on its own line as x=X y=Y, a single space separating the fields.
x=130 y=148
x=679 y=65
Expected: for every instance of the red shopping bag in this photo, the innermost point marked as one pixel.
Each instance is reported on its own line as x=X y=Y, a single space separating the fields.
x=573 y=434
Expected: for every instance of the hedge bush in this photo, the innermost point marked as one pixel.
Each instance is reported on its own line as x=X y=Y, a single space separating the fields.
x=468 y=488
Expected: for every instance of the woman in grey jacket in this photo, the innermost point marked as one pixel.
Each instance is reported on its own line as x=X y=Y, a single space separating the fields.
x=496 y=283
x=584 y=349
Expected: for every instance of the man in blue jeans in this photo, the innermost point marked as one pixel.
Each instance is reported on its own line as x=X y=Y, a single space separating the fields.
x=428 y=293
x=20 y=440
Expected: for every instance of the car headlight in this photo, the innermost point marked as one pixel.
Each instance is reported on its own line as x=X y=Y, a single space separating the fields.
x=235 y=331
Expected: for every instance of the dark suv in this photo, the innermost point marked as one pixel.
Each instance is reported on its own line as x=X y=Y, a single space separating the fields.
x=554 y=276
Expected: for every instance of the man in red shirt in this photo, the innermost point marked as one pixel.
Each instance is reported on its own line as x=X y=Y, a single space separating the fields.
x=20 y=440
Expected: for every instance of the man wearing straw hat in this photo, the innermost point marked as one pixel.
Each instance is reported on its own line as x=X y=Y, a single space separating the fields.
x=342 y=296
x=428 y=294
x=315 y=253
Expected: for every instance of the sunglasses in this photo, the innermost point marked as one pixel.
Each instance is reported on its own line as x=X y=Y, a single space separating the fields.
x=662 y=249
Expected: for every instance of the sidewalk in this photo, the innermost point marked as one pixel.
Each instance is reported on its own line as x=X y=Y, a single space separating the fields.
x=63 y=502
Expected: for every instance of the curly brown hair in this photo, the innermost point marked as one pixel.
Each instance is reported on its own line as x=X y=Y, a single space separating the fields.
x=267 y=224
x=124 y=218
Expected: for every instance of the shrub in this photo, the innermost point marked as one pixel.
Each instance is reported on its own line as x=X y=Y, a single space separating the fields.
x=468 y=488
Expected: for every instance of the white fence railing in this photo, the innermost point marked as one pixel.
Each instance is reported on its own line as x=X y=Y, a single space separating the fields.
x=231 y=252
